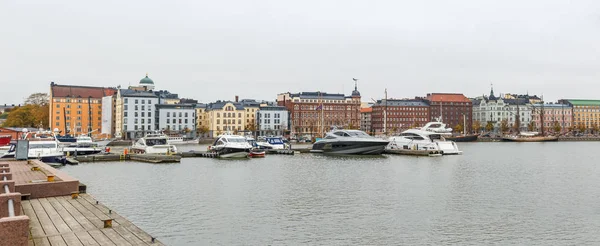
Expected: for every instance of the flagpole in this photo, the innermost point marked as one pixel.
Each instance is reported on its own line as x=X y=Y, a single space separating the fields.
x=322 y=116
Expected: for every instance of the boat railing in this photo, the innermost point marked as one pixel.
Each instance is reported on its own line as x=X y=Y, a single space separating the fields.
x=6 y=188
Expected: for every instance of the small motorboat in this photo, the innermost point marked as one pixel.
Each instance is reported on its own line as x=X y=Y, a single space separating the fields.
x=256 y=153
x=231 y=146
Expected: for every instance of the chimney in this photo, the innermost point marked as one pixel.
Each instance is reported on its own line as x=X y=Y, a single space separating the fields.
x=237 y=98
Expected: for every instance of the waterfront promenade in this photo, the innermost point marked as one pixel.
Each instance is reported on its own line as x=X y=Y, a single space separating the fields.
x=52 y=208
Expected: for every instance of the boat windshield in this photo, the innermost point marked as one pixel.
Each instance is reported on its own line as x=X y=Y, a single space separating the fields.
x=358 y=134
x=152 y=142
x=42 y=146
x=275 y=140
x=236 y=140
x=435 y=137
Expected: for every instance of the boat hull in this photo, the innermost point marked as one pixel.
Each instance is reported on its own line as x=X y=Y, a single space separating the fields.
x=81 y=151
x=233 y=153
x=257 y=154
x=530 y=139
x=465 y=138
x=351 y=148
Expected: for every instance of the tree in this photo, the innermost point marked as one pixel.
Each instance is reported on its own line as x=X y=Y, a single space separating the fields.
x=394 y=129
x=503 y=125
x=30 y=115
x=414 y=125
x=476 y=126
x=459 y=128
x=203 y=130
x=556 y=127
x=581 y=127
x=595 y=128
x=489 y=126
x=37 y=99
x=531 y=126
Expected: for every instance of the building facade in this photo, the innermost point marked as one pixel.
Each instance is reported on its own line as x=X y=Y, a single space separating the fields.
x=201 y=120
x=135 y=113
x=225 y=116
x=586 y=113
x=402 y=114
x=492 y=109
x=450 y=108
x=77 y=109
x=313 y=113
x=251 y=107
x=177 y=118
x=365 y=119
x=554 y=115
x=272 y=121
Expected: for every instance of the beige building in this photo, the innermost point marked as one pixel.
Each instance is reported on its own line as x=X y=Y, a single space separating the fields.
x=224 y=116
x=202 y=121
x=251 y=107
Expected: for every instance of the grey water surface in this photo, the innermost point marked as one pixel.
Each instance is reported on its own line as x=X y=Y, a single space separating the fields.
x=495 y=193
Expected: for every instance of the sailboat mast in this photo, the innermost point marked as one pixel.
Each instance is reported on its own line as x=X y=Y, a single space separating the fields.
x=542 y=115
x=385 y=114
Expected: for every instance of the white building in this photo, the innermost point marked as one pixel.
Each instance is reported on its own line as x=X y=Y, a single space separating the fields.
x=135 y=113
x=272 y=120
x=495 y=109
x=177 y=117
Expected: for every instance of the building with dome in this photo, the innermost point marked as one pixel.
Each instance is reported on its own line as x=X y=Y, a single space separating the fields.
x=146 y=84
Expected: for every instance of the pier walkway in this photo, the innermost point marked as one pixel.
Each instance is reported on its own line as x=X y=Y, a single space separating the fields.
x=63 y=220
x=40 y=205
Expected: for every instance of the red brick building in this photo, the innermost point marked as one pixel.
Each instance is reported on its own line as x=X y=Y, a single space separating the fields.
x=402 y=114
x=312 y=112
x=452 y=107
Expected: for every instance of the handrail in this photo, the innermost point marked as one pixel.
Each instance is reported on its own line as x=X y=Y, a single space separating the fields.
x=11 y=205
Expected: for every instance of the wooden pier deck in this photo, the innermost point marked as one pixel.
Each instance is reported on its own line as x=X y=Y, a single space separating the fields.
x=63 y=220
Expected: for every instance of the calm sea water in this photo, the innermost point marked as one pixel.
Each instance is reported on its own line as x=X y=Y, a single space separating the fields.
x=495 y=193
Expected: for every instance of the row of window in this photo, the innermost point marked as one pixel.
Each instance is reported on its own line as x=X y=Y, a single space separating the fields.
x=229 y=115
x=136 y=101
x=78 y=118
x=125 y=107
x=229 y=121
x=68 y=100
x=68 y=124
x=78 y=106
x=135 y=114
x=180 y=114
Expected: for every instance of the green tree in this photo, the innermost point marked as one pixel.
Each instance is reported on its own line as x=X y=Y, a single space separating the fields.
x=489 y=126
x=476 y=126
x=595 y=128
x=581 y=127
x=504 y=125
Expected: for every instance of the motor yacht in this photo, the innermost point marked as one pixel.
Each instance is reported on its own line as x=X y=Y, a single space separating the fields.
x=43 y=146
x=350 y=142
x=276 y=143
x=231 y=146
x=423 y=139
x=153 y=144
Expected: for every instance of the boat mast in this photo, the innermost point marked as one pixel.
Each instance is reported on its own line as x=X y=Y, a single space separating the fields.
x=65 y=121
x=322 y=116
x=518 y=117
x=385 y=114
x=542 y=115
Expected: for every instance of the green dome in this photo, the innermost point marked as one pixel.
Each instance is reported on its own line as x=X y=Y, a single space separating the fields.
x=146 y=80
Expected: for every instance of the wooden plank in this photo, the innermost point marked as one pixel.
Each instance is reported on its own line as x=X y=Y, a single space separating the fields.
x=65 y=215
x=85 y=238
x=30 y=243
x=57 y=241
x=87 y=214
x=114 y=215
x=59 y=223
x=41 y=241
x=45 y=221
x=114 y=236
x=145 y=237
x=71 y=239
x=34 y=224
x=95 y=210
x=100 y=237
x=81 y=219
x=130 y=237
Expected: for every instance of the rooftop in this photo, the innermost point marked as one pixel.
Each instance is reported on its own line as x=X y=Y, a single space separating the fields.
x=134 y=93
x=80 y=91
x=584 y=102
x=447 y=97
x=273 y=108
x=220 y=104
x=402 y=102
x=318 y=95
x=366 y=110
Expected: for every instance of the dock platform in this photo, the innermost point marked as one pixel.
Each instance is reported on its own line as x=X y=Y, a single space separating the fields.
x=63 y=220
x=150 y=158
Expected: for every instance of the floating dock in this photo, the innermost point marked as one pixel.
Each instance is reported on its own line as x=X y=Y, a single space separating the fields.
x=150 y=158
x=48 y=207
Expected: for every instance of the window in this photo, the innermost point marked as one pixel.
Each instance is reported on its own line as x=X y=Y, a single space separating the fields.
x=135 y=114
x=57 y=123
x=143 y=107
x=57 y=105
x=149 y=102
x=68 y=106
x=125 y=121
x=136 y=102
x=186 y=114
x=125 y=107
x=143 y=114
x=78 y=112
x=168 y=114
x=143 y=121
x=143 y=102
x=135 y=121
x=218 y=121
x=169 y=121
x=186 y=120
x=179 y=114
x=240 y=115
x=149 y=122
x=125 y=100
x=125 y=114
x=136 y=107
x=149 y=114
x=78 y=106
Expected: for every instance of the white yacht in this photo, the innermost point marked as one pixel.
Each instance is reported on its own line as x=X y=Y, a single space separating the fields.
x=172 y=139
x=231 y=146
x=424 y=139
x=437 y=127
x=43 y=146
x=350 y=142
x=153 y=144
x=83 y=146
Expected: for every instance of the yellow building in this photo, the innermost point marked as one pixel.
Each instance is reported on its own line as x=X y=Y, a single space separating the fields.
x=586 y=113
x=202 y=121
x=251 y=107
x=225 y=116
x=77 y=109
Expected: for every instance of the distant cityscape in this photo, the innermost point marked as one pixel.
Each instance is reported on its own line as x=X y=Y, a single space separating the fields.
x=135 y=111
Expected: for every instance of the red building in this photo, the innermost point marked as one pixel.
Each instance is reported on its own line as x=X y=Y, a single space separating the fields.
x=312 y=113
x=451 y=107
x=402 y=114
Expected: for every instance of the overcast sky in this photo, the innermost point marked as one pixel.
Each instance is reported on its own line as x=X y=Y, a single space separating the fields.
x=211 y=50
